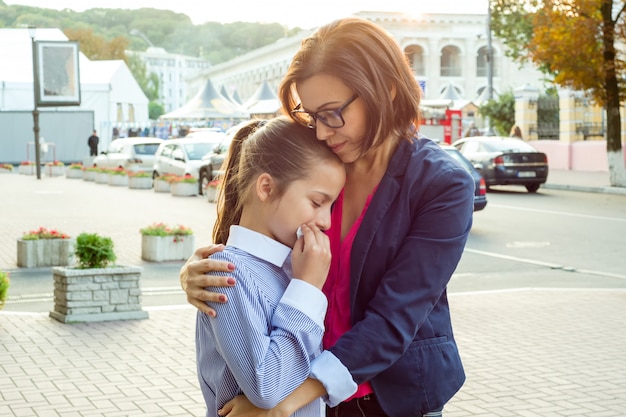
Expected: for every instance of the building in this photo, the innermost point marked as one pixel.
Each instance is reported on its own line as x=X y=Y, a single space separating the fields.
x=173 y=71
x=109 y=97
x=443 y=50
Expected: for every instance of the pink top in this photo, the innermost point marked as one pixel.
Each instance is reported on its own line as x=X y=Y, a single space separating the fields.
x=337 y=286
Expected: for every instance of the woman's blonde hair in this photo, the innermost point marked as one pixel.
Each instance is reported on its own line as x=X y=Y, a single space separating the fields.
x=280 y=147
x=370 y=62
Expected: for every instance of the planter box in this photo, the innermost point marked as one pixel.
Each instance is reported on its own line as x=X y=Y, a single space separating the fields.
x=184 y=189
x=167 y=248
x=161 y=186
x=26 y=169
x=118 y=180
x=97 y=294
x=54 y=170
x=5 y=171
x=211 y=194
x=89 y=175
x=73 y=173
x=102 y=177
x=45 y=252
x=140 y=182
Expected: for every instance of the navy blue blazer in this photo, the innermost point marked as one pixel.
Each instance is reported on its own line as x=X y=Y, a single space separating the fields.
x=409 y=244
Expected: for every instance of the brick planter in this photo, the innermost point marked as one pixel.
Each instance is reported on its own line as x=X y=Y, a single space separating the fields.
x=102 y=177
x=89 y=175
x=167 y=248
x=45 y=252
x=98 y=294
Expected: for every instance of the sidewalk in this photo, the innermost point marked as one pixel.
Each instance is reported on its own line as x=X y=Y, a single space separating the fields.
x=527 y=352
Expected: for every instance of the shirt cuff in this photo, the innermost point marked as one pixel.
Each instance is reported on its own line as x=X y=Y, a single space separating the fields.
x=335 y=377
x=307 y=298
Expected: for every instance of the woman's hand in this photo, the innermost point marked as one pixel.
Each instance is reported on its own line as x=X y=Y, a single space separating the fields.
x=193 y=278
x=310 y=258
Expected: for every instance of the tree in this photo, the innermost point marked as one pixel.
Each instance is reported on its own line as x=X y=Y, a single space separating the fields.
x=573 y=41
x=500 y=112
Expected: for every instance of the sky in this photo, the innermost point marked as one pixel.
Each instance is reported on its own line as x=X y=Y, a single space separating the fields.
x=291 y=13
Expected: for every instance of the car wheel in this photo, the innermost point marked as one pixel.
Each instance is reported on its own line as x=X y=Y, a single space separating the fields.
x=532 y=188
x=155 y=175
x=205 y=178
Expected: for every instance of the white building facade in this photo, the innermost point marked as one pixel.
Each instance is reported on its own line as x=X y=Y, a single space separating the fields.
x=443 y=49
x=173 y=71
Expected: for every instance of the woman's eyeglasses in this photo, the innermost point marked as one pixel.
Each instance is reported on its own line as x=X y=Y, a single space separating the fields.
x=331 y=118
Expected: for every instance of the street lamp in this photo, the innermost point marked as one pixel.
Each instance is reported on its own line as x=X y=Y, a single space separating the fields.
x=136 y=32
x=31 y=33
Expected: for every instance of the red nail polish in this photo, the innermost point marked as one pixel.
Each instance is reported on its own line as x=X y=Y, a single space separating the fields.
x=231 y=281
x=222 y=298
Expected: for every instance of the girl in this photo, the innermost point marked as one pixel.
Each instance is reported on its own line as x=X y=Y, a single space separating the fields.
x=278 y=178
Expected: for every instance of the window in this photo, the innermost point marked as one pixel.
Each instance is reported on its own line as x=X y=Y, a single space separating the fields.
x=450 y=61
x=415 y=56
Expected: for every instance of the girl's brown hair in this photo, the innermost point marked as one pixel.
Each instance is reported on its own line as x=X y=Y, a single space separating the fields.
x=280 y=147
x=370 y=62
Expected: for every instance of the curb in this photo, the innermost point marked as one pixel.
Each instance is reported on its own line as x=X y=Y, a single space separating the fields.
x=587 y=189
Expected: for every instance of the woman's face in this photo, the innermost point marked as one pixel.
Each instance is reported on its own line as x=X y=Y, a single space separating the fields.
x=324 y=92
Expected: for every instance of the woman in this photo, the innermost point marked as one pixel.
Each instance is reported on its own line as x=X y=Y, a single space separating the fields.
x=398 y=230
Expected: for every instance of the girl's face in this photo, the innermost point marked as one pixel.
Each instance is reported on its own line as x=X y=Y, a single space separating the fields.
x=305 y=201
x=324 y=92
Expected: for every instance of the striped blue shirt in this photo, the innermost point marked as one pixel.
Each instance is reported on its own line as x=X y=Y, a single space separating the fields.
x=262 y=341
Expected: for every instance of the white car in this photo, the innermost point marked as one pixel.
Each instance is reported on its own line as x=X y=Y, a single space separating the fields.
x=132 y=154
x=184 y=156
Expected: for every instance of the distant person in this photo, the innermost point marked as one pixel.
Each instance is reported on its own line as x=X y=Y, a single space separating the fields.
x=516 y=132
x=93 y=144
x=471 y=131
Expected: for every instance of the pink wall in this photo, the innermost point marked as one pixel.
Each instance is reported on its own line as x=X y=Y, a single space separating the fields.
x=576 y=156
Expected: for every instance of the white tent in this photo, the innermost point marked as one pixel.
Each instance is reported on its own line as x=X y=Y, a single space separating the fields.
x=107 y=89
x=264 y=102
x=207 y=105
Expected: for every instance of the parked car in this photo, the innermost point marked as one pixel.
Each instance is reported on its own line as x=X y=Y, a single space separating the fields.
x=505 y=161
x=184 y=156
x=132 y=154
x=212 y=162
x=480 y=192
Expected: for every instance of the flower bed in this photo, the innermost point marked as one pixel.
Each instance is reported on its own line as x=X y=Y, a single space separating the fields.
x=26 y=168
x=44 y=247
x=212 y=190
x=6 y=168
x=89 y=173
x=160 y=243
x=184 y=186
x=118 y=177
x=74 y=171
x=162 y=184
x=54 y=168
x=139 y=180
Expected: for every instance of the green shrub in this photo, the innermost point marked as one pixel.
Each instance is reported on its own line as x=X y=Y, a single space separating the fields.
x=5 y=283
x=94 y=251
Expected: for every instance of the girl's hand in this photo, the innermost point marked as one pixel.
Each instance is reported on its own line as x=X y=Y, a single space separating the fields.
x=241 y=407
x=310 y=257
x=193 y=278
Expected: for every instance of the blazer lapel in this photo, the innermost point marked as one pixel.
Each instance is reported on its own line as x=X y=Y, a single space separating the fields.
x=382 y=201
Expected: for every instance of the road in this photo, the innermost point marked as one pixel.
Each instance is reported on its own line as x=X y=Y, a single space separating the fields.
x=549 y=239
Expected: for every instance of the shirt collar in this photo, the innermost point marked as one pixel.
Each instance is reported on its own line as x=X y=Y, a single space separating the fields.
x=258 y=245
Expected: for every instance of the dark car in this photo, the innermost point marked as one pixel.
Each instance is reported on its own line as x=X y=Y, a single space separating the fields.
x=505 y=161
x=212 y=162
x=480 y=193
